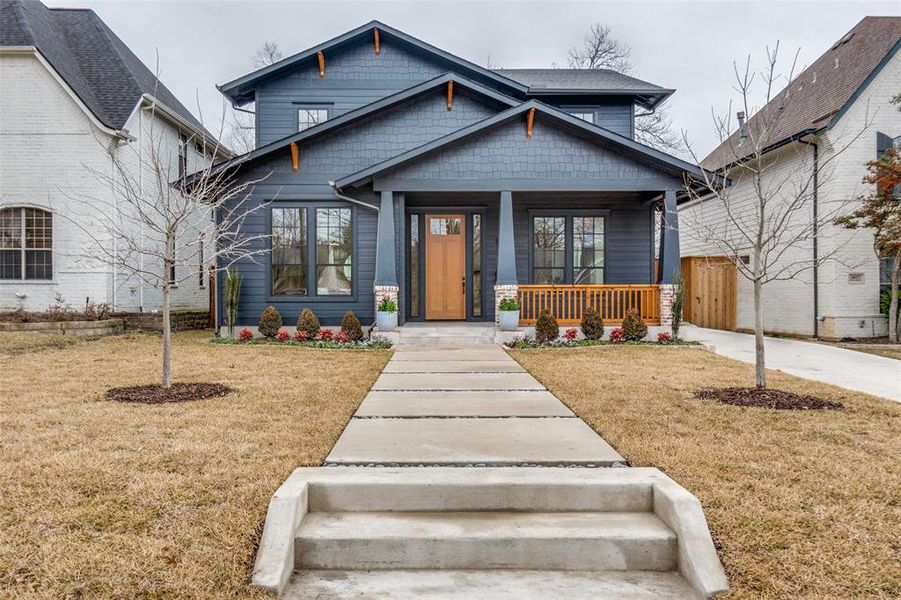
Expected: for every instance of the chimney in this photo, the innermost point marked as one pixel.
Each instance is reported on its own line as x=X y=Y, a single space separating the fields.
x=742 y=131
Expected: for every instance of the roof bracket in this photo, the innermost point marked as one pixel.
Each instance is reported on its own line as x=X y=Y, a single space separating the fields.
x=530 y=120
x=321 y=58
x=378 y=49
x=450 y=95
x=295 y=157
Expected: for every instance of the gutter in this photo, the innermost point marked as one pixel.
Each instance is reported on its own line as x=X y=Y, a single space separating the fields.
x=341 y=196
x=816 y=270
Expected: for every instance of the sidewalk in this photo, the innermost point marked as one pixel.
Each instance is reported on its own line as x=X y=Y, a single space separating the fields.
x=465 y=406
x=849 y=369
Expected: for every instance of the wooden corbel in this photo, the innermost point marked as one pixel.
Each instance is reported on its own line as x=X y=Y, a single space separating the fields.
x=450 y=95
x=295 y=157
x=378 y=49
x=321 y=57
x=530 y=119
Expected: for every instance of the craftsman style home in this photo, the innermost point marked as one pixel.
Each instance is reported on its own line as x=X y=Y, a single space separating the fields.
x=391 y=168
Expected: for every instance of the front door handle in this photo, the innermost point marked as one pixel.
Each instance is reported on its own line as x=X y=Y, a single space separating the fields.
x=463 y=280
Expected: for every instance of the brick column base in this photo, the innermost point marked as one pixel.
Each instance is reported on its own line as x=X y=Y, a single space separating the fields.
x=502 y=292
x=667 y=291
x=386 y=291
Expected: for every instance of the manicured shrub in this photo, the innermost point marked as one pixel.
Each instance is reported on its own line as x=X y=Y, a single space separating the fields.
x=246 y=335
x=634 y=327
x=546 y=328
x=326 y=335
x=350 y=327
x=341 y=337
x=570 y=334
x=302 y=336
x=664 y=338
x=283 y=335
x=617 y=336
x=270 y=322
x=309 y=322
x=592 y=325
x=509 y=305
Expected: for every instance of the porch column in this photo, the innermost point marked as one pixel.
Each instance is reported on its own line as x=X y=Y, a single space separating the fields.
x=505 y=286
x=385 y=284
x=669 y=256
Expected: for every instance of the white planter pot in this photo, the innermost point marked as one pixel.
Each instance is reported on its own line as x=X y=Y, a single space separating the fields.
x=508 y=320
x=386 y=321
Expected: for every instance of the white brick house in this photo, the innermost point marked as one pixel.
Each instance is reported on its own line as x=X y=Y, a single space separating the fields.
x=842 y=105
x=73 y=99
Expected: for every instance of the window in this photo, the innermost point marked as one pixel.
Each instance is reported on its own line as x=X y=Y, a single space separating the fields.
x=182 y=156
x=289 y=251
x=476 y=265
x=445 y=226
x=548 y=250
x=26 y=244
x=200 y=266
x=885 y=273
x=588 y=250
x=334 y=244
x=584 y=115
x=171 y=261
x=414 y=265
x=568 y=250
x=308 y=117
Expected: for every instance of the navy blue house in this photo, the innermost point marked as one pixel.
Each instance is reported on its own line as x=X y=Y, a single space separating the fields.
x=393 y=168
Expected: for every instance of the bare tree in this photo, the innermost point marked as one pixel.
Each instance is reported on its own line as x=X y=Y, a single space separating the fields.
x=159 y=226
x=241 y=134
x=601 y=50
x=775 y=219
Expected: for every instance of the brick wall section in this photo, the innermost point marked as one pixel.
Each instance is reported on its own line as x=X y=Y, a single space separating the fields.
x=502 y=292
x=181 y=321
x=667 y=292
x=386 y=291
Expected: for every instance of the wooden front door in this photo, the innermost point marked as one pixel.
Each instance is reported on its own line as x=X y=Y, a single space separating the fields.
x=445 y=267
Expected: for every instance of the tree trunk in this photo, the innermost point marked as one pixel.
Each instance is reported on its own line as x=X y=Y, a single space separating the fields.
x=759 y=358
x=893 y=305
x=167 y=340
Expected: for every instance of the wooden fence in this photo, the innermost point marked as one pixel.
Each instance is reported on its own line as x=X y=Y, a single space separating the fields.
x=567 y=302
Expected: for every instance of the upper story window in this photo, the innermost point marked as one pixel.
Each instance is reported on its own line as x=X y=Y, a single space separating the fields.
x=308 y=117
x=585 y=115
x=26 y=244
x=182 y=155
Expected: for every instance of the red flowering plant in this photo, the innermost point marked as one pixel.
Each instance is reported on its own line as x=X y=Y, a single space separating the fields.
x=570 y=334
x=282 y=335
x=326 y=335
x=246 y=335
x=341 y=337
x=301 y=335
x=617 y=336
x=664 y=338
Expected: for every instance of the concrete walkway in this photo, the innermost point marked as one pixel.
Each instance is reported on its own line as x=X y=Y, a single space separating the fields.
x=849 y=369
x=465 y=406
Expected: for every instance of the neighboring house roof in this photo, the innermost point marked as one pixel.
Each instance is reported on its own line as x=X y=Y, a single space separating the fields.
x=91 y=59
x=821 y=93
x=240 y=90
x=587 y=81
x=626 y=146
x=362 y=112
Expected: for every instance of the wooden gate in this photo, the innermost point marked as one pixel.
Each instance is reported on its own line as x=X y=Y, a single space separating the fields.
x=710 y=291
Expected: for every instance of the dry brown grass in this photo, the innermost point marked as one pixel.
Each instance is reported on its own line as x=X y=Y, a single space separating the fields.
x=886 y=350
x=12 y=343
x=102 y=499
x=801 y=504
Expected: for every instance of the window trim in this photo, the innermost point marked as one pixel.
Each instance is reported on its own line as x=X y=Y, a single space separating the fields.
x=312 y=295
x=23 y=249
x=569 y=239
x=301 y=106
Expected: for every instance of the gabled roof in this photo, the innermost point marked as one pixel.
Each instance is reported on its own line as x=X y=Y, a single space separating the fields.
x=99 y=68
x=240 y=90
x=820 y=94
x=626 y=146
x=367 y=110
x=543 y=82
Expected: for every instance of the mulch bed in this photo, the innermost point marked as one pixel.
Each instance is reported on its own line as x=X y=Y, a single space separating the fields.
x=767 y=398
x=179 y=392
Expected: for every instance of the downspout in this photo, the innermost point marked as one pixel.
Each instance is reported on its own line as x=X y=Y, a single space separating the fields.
x=816 y=287
x=341 y=196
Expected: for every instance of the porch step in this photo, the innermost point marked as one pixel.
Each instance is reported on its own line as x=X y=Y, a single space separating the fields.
x=568 y=541
x=447 y=334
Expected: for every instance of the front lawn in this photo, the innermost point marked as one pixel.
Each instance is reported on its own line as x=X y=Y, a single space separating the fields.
x=103 y=499
x=800 y=503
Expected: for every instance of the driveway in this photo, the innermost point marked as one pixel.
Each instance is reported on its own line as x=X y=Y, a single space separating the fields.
x=849 y=369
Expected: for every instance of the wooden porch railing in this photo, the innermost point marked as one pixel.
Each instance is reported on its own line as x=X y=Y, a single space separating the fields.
x=566 y=302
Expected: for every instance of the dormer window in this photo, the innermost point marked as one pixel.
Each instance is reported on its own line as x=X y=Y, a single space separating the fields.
x=309 y=116
x=584 y=115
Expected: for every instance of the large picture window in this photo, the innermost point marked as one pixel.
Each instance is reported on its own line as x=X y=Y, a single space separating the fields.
x=334 y=247
x=289 y=251
x=26 y=244
x=568 y=249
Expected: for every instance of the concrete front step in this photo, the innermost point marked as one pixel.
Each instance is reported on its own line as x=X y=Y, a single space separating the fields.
x=485 y=540
x=535 y=403
x=488 y=585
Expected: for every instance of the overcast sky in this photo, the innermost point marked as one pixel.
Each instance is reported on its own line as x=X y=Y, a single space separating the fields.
x=689 y=46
